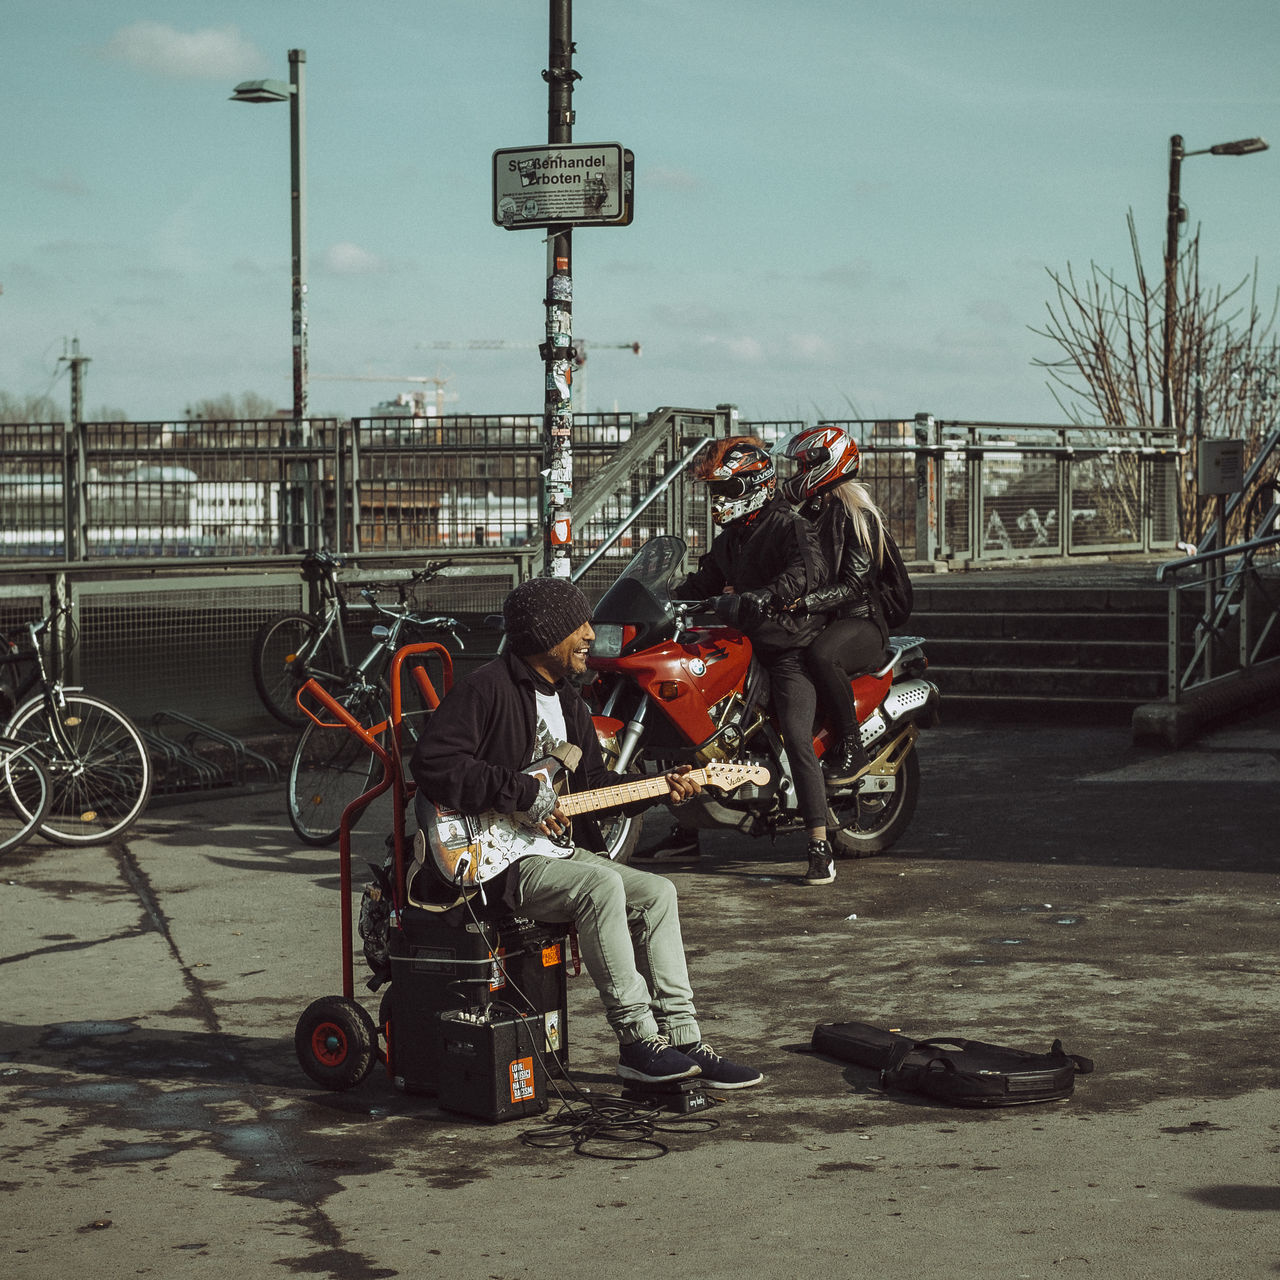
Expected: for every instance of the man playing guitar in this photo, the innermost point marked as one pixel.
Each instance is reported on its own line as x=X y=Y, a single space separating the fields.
x=471 y=759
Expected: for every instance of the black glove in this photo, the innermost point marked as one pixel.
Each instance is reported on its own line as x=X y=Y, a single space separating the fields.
x=744 y=609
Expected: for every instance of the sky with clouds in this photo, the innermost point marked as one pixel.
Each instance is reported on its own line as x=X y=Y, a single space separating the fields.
x=842 y=208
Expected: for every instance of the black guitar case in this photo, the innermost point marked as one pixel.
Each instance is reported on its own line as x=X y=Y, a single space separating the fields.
x=965 y=1073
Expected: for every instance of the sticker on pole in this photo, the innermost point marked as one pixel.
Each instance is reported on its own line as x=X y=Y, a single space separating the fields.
x=575 y=184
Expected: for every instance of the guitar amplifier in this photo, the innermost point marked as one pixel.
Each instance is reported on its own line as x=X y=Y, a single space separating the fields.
x=489 y=1067
x=440 y=967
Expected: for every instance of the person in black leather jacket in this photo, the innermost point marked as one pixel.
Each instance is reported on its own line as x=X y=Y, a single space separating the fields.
x=851 y=531
x=764 y=558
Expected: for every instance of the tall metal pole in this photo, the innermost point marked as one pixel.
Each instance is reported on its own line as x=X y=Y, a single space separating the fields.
x=298 y=180
x=556 y=488
x=1172 y=222
x=74 y=504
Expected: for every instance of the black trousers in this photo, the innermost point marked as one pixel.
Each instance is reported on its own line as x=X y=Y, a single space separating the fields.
x=845 y=648
x=796 y=703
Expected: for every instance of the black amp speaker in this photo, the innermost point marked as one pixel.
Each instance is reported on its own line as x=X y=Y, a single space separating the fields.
x=489 y=1067
x=509 y=969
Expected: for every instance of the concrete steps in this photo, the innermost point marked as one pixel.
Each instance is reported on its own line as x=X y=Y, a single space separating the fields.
x=1062 y=645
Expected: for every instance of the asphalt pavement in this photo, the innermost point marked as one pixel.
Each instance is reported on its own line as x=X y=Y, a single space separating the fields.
x=1055 y=883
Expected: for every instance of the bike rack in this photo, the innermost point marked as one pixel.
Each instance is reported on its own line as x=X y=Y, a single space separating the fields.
x=240 y=754
x=393 y=777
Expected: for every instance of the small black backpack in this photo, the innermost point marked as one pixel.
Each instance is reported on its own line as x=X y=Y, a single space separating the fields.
x=894 y=586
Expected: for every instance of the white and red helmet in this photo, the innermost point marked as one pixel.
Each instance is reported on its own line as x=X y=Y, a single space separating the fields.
x=740 y=478
x=824 y=457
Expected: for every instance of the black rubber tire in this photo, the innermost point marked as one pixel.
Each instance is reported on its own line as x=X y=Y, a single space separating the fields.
x=865 y=826
x=101 y=789
x=25 y=793
x=330 y=768
x=336 y=1042
x=280 y=643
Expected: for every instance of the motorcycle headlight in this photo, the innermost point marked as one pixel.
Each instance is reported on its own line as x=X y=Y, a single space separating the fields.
x=608 y=641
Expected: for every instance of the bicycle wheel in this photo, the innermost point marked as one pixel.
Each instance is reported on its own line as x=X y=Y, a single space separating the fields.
x=97 y=763
x=279 y=646
x=331 y=767
x=25 y=792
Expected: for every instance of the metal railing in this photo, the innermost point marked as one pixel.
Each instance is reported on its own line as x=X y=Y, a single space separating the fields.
x=391 y=486
x=986 y=492
x=1224 y=612
x=174 y=542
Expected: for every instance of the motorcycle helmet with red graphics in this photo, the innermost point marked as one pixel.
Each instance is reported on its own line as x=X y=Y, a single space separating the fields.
x=823 y=456
x=740 y=478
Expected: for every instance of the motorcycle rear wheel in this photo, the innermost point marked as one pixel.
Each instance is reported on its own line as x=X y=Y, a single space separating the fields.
x=866 y=825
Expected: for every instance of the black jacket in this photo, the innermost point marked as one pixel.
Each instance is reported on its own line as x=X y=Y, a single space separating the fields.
x=476 y=743
x=852 y=592
x=778 y=551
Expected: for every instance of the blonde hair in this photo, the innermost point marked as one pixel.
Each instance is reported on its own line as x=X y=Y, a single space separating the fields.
x=866 y=517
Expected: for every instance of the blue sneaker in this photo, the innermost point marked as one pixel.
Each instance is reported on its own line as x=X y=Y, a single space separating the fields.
x=718 y=1072
x=654 y=1060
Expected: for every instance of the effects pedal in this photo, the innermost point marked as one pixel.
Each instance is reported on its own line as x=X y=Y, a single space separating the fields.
x=681 y=1096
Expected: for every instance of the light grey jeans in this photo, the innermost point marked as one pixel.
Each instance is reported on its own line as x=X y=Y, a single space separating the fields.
x=628 y=927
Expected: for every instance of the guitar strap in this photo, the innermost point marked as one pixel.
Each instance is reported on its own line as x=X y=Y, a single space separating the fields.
x=568 y=755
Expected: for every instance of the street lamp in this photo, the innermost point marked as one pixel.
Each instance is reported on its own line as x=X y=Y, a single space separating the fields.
x=1177 y=215
x=293 y=94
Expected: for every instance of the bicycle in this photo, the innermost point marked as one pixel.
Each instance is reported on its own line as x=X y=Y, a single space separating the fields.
x=292 y=648
x=97 y=763
x=330 y=765
x=25 y=792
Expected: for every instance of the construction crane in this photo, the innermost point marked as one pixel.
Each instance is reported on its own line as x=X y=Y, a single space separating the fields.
x=438 y=382
x=579 y=347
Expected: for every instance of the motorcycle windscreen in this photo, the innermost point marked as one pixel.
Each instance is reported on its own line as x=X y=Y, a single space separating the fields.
x=639 y=598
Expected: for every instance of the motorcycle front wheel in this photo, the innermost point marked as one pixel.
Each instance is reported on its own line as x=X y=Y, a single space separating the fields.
x=864 y=824
x=621 y=833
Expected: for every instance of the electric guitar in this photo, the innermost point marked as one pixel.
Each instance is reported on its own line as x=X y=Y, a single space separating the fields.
x=469 y=849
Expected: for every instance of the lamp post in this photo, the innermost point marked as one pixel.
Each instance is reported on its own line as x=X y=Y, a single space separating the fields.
x=293 y=94
x=1177 y=215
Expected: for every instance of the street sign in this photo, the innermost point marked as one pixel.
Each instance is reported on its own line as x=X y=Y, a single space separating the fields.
x=573 y=184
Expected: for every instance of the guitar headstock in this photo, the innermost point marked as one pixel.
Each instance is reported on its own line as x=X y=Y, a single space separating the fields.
x=727 y=777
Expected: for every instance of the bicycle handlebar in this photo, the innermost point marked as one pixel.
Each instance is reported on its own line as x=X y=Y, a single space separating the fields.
x=437 y=622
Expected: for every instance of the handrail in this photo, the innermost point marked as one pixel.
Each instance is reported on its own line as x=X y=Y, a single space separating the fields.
x=1204 y=557
x=1261 y=461
x=652 y=496
x=1227 y=604
x=664 y=426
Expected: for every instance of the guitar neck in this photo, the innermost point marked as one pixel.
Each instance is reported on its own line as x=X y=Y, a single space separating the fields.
x=623 y=793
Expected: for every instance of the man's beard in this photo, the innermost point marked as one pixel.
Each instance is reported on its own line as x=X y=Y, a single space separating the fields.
x=580 y=679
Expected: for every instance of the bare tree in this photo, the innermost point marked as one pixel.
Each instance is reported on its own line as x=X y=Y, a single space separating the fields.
x=28 y=409
x=1224 y=372
x=229 y=408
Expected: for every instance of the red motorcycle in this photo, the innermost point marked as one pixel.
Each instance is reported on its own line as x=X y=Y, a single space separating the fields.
x=670 y=691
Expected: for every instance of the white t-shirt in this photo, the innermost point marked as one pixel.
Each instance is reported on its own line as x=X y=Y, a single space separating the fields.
x=551 y=731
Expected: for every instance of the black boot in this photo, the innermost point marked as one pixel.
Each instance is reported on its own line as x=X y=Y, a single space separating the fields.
x=846 y=762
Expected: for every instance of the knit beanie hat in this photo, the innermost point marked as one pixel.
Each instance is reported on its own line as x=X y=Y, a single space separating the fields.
x=540 y=613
